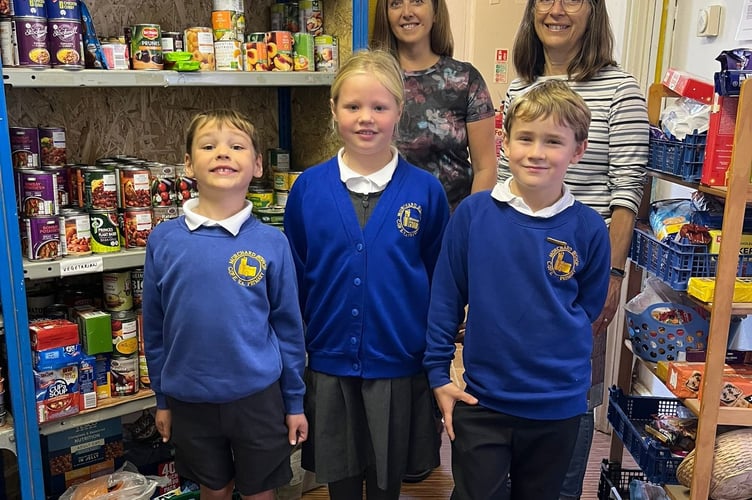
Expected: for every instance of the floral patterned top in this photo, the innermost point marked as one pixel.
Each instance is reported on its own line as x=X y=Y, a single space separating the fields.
x=439 y=103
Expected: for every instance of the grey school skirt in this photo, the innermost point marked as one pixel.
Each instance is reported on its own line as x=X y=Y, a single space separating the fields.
x=356 y=423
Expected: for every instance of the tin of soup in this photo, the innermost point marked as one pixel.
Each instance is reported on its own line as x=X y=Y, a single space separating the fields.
x=146 y=47
x=135 y=187
x=279 y=50
x=137 y=225
x=326 y=53
x=116 y=288
x=311 y=17
x=123 y=374
x=52 y=146
x=303 y=52
x=24 y=147
x=63 y=9
x=124 y=332
x=38 y=193
x=31 y=42
x=37 y=8
x=64 y=38
x=105 y=234
x=61 y=174
x=77 y=232
x=42 y=234
x=100 y=188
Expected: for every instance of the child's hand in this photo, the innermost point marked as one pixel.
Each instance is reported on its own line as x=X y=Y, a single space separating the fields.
x=163 y=420
x=297 y=428
x=446 y=397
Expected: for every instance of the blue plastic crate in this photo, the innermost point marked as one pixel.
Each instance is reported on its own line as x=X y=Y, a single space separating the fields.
x=681 y=158
x=674 y=263
x=628 y=416
x=614 y=481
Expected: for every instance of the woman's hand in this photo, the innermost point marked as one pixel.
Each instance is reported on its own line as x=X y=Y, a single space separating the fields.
x=446 y=397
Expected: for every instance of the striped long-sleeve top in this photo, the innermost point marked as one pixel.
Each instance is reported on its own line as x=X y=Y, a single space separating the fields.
x=612 y=171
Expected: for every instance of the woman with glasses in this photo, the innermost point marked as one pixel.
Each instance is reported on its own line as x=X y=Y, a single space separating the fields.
x=447 y=126
x=572 y=40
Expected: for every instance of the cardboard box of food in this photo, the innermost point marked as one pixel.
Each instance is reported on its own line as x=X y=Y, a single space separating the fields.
x=57 y=393
x=51 y=333
x=689 y=85
x=720 y=141
x=96 y=330
x=685 y=378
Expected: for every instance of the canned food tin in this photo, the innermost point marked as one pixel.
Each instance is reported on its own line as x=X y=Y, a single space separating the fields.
x=36 y=8
x=255 y=56
x=42 y=235
x=38 y=193
x=61 y=175
x=292 y=177
x=116 y=54
x=199 y=41
x=105 y=234
x=303 y=52
x=228 y=55
x=311 y=17
x=76 y=185
x=6 y=8
x=162 y=214
x=185 y=188
x=24 y=147
x=116 y=288
x=56 y=311
x=31 y=42
x=137 y=225
x=162 y=185
x=124 y=332
x=280 y=198
x=225 y=25
x=278 y=159
x=172 y=41
x=146 y=47
x=100 y=188
x=279 y=50
x=137 y=285
x=278 y=16
x=8 y=49
x=63 y=9
x=135 y=187
x=237 y=5
x=124 y=375
x=76 y=233
x=38 y=303
x=326 y=53
x=260 y=198
x=292 y=17
x=143 y=370
x=273 y=214
x=52 y=146
x=64 y=38
x=281 y=180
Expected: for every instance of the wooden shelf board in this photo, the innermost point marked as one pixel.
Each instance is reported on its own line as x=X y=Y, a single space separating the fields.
x=737 y=308
x=726 y=415
x=677 y=492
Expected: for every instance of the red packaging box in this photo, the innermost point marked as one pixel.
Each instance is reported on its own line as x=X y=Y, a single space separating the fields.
x=51 y=333
x=689 y=85
x=720 y=141
x=736 y=391
x=685 y=378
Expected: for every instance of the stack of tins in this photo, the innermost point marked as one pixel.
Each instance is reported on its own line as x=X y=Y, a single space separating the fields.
x=313 y=49
x=228 y=31
x=41 y=34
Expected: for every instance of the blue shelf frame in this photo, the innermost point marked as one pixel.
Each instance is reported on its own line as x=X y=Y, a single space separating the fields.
x=13 y=295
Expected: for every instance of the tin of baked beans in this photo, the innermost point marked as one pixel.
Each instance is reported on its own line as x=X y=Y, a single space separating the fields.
x=65 y=41
x=199 y=41
x=42 y=235
x=63 y=9
x=273 y=214
x=116 y=289
x=8 y=51
x=278 y=159
x=75 y=232
x=36 y=8
x=24 y=147
x=137 y=225
x=279 y=50
x=61 y=174
x=292 y=177
x=38 y=193
x=123 y=374
x=311 y=17
x=146 y=47
x=255 y=56
x=31 y=42
x=303 y=52
x=228 y=55
x=137 y=286
x=281 y=180
x=278 y=16
x=105 y=234
x=100 y=188
x=135 y=186
x=260 y=197
x=280 y=198
x=326 y=53
x=52 y=146
x=124 y=332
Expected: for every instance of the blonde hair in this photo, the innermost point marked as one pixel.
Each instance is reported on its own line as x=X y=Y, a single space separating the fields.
x=377 y=64
x=221 y=117
x=442 y=42
x=552 y=98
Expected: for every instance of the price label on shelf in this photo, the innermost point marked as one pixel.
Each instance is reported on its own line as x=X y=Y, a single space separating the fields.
x=81 y=265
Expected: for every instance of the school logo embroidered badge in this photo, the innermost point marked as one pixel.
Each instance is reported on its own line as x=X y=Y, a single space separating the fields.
x=562 y=262
x=408 y=219
x=247 y=268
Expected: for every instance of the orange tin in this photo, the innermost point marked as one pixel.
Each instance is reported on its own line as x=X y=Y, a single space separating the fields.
x=279 y=50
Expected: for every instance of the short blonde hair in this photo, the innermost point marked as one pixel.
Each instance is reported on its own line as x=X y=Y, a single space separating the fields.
x=221 y=116
x=378 y=64
x=551 y=98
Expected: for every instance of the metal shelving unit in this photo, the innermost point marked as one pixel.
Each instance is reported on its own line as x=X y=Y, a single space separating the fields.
x=95 y=263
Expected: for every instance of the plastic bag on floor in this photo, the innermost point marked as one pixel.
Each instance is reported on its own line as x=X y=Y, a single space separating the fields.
x=641 y=490
x=115 y=486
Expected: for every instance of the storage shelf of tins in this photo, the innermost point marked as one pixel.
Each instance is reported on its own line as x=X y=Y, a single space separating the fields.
x=737 y=195
x=141 y=114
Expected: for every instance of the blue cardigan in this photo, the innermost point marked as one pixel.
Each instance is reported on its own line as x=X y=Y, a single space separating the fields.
x=365 y=293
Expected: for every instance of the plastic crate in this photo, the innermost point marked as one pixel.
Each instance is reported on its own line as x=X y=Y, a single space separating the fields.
x=657 y=339
x=674 y=263
x=681 y=158
x=614 y=481
x=628 y=416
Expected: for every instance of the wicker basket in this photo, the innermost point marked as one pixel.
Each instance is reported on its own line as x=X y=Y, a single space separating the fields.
x=732 y=467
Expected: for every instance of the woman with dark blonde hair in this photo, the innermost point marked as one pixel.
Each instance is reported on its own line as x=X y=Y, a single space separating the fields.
x=572 y=40
x=447 y=126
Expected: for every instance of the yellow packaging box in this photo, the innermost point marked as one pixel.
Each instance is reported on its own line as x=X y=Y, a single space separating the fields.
x=704 y=288
x=745 y=248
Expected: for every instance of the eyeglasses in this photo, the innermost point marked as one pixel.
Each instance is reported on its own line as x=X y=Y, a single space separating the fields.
x=569 y=6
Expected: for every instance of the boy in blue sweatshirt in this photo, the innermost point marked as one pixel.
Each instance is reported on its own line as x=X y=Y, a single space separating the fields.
x=222 y=326
x=532 y=264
